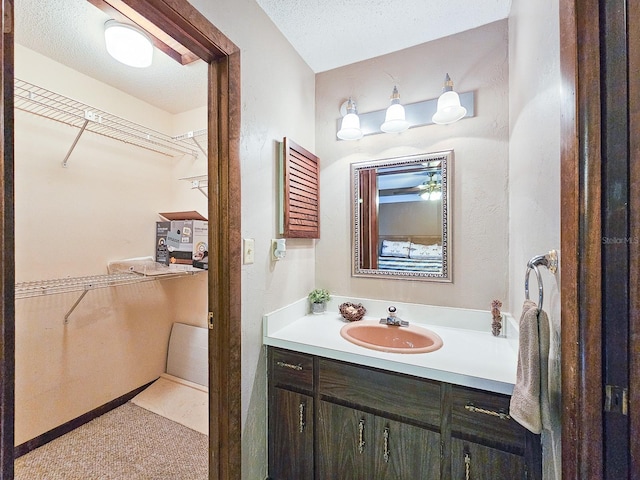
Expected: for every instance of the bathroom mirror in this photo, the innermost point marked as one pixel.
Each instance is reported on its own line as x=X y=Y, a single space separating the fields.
x=401 y=217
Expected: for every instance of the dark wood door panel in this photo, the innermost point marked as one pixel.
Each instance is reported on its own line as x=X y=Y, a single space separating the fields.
x=345 y=442
x=477 y=462
x=405 y=452
x=291 y=443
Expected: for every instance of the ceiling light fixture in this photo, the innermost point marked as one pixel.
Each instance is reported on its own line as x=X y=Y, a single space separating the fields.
x=394 y=120
x=350 y=127
x=432 y=188
x=128 y=44
x=449 y=108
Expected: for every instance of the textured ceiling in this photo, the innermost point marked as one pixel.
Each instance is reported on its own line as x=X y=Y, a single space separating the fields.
x=333 y=33
x=71 y=32
x=326 y=33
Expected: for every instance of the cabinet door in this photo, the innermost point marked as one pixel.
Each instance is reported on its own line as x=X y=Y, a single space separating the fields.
x=405 y=451
x=345 y=439
x=291 y=436
x=353 y=445
x=472 y=461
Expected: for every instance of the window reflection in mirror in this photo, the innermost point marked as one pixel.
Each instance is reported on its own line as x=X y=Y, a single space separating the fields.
x=401 y=217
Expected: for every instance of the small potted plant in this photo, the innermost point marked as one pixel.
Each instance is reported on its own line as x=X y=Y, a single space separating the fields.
x=318 y=299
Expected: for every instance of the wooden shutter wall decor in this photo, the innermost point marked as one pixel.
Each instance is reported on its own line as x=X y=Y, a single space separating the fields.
x=301 y=200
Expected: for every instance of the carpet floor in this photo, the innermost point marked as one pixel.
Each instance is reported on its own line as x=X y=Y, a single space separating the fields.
x=128 y=442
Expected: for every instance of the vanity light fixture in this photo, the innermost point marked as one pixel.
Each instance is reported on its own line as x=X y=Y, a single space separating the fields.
x=350 y=127
x=394 y=120
x=449 y=108
x=128 y=44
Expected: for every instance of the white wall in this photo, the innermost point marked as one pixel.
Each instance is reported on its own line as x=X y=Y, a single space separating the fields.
x=534 y=175
x=476 y=61
x=277 y=101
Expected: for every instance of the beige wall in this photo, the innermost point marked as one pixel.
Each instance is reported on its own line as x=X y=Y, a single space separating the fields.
x=534 y=175
x=70 y=222
x=401 y=217
x=277 y=101
x=477 y=61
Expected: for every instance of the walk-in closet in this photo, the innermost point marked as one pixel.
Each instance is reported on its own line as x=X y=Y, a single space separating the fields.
x=101 y=150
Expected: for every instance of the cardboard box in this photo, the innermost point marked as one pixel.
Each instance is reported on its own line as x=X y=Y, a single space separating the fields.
x=181 y=238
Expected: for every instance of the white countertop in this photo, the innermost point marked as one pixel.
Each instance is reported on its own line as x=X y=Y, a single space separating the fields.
x=470 y=356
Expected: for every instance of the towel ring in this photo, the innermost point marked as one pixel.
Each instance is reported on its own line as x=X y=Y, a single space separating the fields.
x=550 y=260
x=533 y=267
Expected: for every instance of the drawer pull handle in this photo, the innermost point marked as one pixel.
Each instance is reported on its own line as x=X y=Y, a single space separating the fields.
x=289 y=365
x=361 y=442
x=301 y=418
x=385 y=436
x=472 y=408
x=467 y=466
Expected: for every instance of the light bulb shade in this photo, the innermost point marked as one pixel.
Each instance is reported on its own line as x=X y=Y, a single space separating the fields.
x=394 y=120
x=350 y=127
x=449 y=109
x=128 y=44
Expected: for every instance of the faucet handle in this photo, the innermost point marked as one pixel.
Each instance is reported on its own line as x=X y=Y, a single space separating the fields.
x=392 y=311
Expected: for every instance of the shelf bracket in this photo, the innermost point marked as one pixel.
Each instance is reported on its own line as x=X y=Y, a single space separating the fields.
x=73 y=145
x=66 y=317
x=89 y=116
x=198 y=184
x=199 y=145
x=191 y=135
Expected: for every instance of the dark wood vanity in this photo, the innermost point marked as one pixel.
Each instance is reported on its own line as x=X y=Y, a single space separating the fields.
x=335 y=420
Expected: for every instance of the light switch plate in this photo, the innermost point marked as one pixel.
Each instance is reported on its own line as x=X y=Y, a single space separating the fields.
x=248 y=250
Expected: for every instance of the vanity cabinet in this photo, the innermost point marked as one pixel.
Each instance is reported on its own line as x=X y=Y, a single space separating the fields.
x=330 y=419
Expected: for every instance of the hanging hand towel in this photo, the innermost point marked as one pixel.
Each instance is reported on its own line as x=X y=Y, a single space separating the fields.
x=530 y=400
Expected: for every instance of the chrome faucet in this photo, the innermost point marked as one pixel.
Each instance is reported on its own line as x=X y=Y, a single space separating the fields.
x=392 y=320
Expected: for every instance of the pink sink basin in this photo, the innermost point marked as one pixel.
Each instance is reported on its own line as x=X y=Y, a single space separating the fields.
x=376 y=336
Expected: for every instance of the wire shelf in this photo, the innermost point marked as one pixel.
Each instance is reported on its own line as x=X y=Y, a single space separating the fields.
x=123 y=272
x=76 y=284
x=45 y=103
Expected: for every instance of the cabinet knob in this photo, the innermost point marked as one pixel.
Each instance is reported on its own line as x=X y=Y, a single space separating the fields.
x=297 y=367
x=301 y=422
x=361 y=436
x=385 y=438
x=501 y=414
x=467 y=466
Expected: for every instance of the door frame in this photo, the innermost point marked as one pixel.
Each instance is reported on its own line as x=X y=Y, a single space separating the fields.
x=188 y=26
x=582 y=124
x=580 y=259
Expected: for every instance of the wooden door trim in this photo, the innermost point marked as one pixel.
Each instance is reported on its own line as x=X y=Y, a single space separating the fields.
x=7 y=273
x=580 y=257
x=189 y=26
x=633 y=16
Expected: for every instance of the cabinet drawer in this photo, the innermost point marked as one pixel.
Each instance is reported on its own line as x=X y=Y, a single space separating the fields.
x=484 y=415
x=408 y=397
x=291 y=369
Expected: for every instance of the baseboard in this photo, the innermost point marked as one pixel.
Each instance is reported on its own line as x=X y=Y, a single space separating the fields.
x=54 y=433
